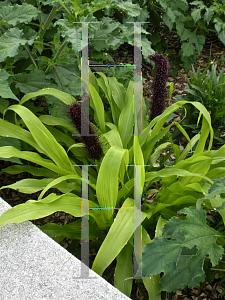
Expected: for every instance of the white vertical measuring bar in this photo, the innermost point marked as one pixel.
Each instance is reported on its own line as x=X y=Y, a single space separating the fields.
x=137 y=93
x=137 y=90
x=84 y=80
x=85 y=223
x=137 y=243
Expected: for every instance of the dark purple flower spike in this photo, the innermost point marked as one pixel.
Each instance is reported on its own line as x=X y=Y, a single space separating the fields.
x=91 y=142
x=159 y=97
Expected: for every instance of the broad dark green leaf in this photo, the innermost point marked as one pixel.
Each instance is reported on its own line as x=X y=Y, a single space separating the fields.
x=181 y=251
x=196 y=15
x=31 y=82
x=217 y=188
x=188 y=48
x=5 y=91
x=208 y=14
x=18 y=13
x=10 y=42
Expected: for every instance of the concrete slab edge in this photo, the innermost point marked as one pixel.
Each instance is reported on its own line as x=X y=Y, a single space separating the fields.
x=35 y=267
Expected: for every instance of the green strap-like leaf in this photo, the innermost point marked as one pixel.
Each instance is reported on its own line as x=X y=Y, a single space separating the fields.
x=113 y=138
x=150 y=142
x=124 y=269
x=8 y=129
x=119 y=234
x=64 y=97
x=98 y=107
x=104 y=84
x=44 y=138
x=118 y=92
x=9 y=151
x=217 y=172
x=125 y=124
x=139 y=159
x=188 y=147
x=59 y=180
x=17 y=169
x=107 y=182
x=155 y=176
x=157 y=152
x=160 y=120
x=201 y=167
x=68 y=203
x=170 y=171
x=206 y=128
x=29 y=185
x=55 y=121
x=72 y=230
x=32 y=209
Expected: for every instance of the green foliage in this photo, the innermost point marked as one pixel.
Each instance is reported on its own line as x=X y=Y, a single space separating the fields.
x=217 y=188
x=50 y=145
x=40 y=43
x=207 y=88
x=12 y=39
x=40 y=46
x=5 y=91
x=18 y=13
x=181 y=251
x=216 y=197
x=192 y=21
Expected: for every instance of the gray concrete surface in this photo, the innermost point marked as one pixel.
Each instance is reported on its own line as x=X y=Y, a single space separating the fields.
x=34 y=267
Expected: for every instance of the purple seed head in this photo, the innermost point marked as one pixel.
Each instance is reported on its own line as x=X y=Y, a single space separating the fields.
x=91 y=142
x=159 y=95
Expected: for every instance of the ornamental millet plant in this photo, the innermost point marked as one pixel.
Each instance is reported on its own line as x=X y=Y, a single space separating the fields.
x=91 y=141
x=159 y=96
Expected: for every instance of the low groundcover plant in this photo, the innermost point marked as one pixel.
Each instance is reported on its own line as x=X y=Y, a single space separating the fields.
x=111 y=181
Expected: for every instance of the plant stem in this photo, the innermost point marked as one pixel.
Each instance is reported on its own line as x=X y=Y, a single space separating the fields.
x=31 y=57
x=48 y=21
x=45 y=44
x=57 y=78
x=63 y=5
x=39 y=9
x=35 y=24
x=58 y=53
x=45 y=26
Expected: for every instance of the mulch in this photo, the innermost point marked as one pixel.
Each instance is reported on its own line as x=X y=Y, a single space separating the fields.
x=209 y=291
